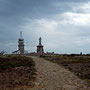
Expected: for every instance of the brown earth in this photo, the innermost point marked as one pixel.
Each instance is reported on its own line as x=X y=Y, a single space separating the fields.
x=51 y=76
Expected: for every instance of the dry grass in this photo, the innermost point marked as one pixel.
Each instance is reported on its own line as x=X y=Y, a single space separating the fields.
x=16 y=71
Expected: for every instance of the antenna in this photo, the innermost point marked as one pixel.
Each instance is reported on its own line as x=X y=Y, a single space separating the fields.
x=20 y=34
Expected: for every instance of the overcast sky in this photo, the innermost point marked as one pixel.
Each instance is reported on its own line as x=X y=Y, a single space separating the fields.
x=64 y=25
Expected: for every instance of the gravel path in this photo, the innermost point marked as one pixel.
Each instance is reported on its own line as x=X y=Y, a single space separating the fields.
x=51 y=76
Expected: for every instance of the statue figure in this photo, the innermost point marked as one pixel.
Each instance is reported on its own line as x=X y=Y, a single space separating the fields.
x=40 y=40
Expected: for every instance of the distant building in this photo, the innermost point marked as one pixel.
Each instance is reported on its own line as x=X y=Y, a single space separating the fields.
x=20 y=46
x=40 y=49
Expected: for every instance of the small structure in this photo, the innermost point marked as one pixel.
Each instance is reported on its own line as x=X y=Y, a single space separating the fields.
x=40 y=49
x=3 y=53
x=16 y=52
x=20 y=46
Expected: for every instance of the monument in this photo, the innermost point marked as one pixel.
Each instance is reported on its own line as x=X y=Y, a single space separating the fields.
x=40 y=50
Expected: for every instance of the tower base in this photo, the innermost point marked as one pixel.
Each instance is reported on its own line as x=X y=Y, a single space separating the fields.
x=40 y=50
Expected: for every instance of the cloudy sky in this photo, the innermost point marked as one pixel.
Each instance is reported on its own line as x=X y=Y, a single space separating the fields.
x=64 y=25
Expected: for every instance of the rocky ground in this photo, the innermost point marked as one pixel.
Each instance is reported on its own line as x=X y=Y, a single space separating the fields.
x=51 y=76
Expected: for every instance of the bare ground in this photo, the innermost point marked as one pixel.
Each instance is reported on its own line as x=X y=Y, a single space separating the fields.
x=51 y=76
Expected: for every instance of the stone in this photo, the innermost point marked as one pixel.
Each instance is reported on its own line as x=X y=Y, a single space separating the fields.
x=37 y=83
x=69 y=87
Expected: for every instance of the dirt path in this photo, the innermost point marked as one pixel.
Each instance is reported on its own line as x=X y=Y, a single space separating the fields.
x=51 y=76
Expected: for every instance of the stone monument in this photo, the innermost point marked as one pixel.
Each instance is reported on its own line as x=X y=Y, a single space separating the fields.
x=40 y=50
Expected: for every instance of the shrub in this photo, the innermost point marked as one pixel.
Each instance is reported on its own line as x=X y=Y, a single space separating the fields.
x=15 y=61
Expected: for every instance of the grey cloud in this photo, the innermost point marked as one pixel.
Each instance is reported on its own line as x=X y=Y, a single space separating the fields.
x=25 y=15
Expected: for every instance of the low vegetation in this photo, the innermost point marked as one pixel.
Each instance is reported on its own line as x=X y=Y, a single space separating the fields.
x=16 y=71
x=79 y=64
